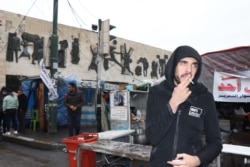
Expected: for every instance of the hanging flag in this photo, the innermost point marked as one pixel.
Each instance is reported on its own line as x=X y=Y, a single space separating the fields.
x=47 y=81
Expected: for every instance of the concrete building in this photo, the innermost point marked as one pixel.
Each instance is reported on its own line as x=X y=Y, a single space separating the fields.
x=130 y=62
x=25 y=41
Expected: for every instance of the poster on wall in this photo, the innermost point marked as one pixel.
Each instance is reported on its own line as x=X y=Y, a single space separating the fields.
x=119 y=113
x=232 y=87
x=118 y=98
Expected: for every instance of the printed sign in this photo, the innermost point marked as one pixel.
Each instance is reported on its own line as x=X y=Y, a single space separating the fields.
x=232 y=87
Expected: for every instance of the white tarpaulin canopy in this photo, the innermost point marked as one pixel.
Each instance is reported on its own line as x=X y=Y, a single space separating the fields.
x=234 y=61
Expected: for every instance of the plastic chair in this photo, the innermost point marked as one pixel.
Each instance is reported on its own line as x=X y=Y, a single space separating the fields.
x=34 y=119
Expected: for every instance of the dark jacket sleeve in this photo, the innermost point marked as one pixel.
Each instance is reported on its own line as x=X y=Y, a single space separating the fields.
x=212 y=133
x=81 y=100
x=23 y=102
x=66 y=103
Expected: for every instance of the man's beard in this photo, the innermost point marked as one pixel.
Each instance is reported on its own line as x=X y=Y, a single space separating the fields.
x=177 y=80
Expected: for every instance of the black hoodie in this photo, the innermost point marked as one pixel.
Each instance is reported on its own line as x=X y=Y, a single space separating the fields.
x=169 y=133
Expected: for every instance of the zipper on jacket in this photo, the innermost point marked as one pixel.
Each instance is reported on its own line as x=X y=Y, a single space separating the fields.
x=176 y=134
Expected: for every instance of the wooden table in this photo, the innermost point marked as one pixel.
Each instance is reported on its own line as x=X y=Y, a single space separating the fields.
x=121 y=149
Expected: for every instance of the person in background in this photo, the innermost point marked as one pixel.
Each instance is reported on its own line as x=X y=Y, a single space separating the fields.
x=22 y=109
x=10 y=106
x=74 y=101
x=180 y=111
x=3 y=93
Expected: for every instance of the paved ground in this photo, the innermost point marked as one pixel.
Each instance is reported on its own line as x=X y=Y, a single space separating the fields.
x=50 y=141
x=43 y=140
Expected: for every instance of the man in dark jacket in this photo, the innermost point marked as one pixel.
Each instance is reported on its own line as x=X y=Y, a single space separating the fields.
x=22 y=109
x=74 y=102
x=180 y=110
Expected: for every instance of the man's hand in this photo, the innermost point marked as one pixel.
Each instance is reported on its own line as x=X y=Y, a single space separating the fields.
x=73 y=108
x=180 y=94
x=185 y=160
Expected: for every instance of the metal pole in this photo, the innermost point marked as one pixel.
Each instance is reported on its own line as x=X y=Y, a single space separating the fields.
x=98 y=78
x=54 y=43
x=52 y=115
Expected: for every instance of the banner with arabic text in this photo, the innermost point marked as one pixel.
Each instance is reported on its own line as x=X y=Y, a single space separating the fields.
x=232 y=87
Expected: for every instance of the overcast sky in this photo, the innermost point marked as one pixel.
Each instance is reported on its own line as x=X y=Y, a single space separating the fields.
x=207 y=25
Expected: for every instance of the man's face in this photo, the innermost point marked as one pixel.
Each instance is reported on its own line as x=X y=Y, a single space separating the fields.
x=19 y=92
x=186 y=68
x=71 y=88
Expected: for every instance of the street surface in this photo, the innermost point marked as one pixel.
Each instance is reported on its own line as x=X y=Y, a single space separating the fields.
x=12 y=155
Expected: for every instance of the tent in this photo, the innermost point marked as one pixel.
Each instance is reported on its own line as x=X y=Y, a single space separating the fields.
x=30 y=89
x=229 y=61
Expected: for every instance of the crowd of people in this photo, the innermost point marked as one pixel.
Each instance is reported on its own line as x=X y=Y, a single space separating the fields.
x=14 y=107
x=12 y=111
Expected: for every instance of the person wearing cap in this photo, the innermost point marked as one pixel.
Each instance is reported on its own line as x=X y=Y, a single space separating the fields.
x=180 y=113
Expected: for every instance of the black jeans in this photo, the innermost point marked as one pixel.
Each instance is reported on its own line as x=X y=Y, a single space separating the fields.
x=10 y=114
x=74 y=121
x=21 y=120
x=3 y=121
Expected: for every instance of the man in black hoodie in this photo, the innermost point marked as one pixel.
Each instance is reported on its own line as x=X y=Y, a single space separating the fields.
x=180 y=110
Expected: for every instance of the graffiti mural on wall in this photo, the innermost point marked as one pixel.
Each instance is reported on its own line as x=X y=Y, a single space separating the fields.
x=108 y=60
x=122 y=56
x=75 y=58
x=14 y=44
x=123 y=59
x=38 y=43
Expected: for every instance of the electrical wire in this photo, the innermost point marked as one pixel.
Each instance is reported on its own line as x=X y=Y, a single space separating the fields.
x=25 y=15
x=77 y=19
x=88 y=10
x=45 y=5
x=76 y=15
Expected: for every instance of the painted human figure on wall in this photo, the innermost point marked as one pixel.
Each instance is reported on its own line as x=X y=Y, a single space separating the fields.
x=144 y=62
x=38 y=44
x=126 y=59
x=154 y=67
x=13 y=47
x=25 y=52
x=93 y=63
x=111 y=58
x=38 y=51
x=62 y=53
x=75 y=58
x=162 y=63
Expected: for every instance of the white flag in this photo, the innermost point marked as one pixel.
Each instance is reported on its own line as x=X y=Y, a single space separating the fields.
x=47 y=81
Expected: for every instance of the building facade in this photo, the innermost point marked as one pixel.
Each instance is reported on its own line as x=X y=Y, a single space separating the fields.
x=24 y=41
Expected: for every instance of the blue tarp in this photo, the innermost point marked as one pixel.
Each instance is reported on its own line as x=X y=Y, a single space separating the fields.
x=29 y=87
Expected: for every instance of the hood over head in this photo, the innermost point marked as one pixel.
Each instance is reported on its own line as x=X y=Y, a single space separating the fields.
x=179 y=53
